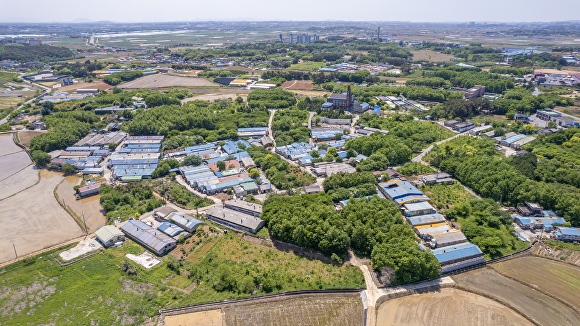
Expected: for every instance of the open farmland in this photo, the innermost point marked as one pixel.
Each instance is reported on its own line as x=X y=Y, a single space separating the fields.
x=159 y=81
x=534 y=304
x=557 y=279
x=88 y=207
x=447 y=307
x=323 y=310
x=17 y=173
x=73 y=88
x=429 y=55
x=41 y=222
x=201 y=318
x=297 y=84
x=25 y=136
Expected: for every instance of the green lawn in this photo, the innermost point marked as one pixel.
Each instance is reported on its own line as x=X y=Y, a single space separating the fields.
x=97 y=291
x=311 y=66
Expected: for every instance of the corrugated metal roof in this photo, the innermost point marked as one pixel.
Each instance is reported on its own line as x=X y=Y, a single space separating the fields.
x=147 y=235
x=170 y=229
x=107 y=232
x=455 y=252
x=419 y=206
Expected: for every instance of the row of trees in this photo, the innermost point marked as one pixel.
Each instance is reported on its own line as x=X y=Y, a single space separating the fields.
x=28 y=53
x=371 y=226
x=122 y=76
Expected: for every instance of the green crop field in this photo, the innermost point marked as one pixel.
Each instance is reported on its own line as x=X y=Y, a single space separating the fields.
x=311 y=66
x=97 y=291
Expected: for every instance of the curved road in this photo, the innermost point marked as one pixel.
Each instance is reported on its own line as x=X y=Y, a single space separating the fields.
x=46 y=90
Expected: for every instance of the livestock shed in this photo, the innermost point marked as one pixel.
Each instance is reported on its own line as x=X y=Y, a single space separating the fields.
x=458 y=256
x=108 y=235
x=150 y=238
x=420 y=208
x=234 y=219
x=426 y=219
x=185 y=221
x=170 y=229
x=244 y=207
x=401 y=192
x=567 y=234
x=447 y=238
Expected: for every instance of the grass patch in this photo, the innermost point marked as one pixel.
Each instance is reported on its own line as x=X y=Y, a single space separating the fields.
x=310 y=66
x=445 y=196
x=97 y=291
x=560 y=245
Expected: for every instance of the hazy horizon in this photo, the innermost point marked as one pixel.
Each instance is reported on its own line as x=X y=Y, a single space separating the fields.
x=415 y=11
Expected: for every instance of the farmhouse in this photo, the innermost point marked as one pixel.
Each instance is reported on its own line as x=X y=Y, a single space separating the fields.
x=108 y=235
x=150 y=238
x=458 y=256
x=234 y=219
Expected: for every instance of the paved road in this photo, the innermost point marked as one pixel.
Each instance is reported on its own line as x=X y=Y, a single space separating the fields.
x=46 y=90
x=419 y=158
x=272 y=112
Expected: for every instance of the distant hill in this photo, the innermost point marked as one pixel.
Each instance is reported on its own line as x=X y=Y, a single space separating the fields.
x=28 y=53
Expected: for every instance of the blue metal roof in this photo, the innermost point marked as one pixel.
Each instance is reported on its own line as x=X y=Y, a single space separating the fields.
x=236 y=156
x=459 y=251
x=147 y=235
x=171 y=229
x=514 y=139
x=231 y=146
x=402 y=191
x=569 y=231
x=426 y=219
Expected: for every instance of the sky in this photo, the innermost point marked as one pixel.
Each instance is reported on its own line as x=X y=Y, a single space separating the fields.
x=297 y=10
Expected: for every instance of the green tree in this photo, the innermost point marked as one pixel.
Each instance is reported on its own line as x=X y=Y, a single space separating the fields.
x=254 y=173
x=67 y=168
x=221 y=165
x=40 y=158
x=191 y=160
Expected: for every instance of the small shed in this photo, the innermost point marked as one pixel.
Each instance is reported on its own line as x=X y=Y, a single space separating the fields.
x=108 y=235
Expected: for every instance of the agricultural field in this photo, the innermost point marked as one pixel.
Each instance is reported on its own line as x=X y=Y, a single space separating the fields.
x=25 y=136
x=447 y=307
x=297 y=84
x=213 y=97
x=160 y=81
x=41 y=222
x=557 y=279
x=201 y=318
x=88 y=207
x=445 y=196
x=542 y=308
x=74 y=87
x=17 y=173
x=324 y=310
x=122 y=292
x=310 y=66
x=429 y=55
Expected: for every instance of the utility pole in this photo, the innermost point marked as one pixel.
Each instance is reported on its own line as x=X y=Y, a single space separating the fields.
x=85 y=223
x=15 y=254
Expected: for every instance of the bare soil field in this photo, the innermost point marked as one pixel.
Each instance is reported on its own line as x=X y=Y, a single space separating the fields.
x=25 y=136
x=556 y=71
x=529 y=301
x=429 y=55
x=32 y=219
x=156 y=81
x=560 y=280
x=213 y=97
x=440 y=308
x=73 y=88
x=202 y=318
x=564 y=255
x=7 y=145
x=310 y=93
x=328 y=310
x=90 y=206
x=12 y=163
x=297 y=84
x=18 y=182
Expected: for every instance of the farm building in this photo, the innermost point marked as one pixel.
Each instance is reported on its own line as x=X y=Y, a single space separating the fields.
x=311 y=189
x=108 y=235
x=463 y=126
x=430 y=219
x=401 y=192
x=234 y=219
x=163 y=212
x=447 y=238
x=437 y=178
x=185 y=221
x=248 y=163
x=253 y=132
x=458 y=256
x=231 y=146
x=420 y=208
x=424 y=231
x=325 y=134
x=90 y=190
x=152 y=239
x=326 y=169
x=567 y=234
x=450 y=123
x=244 y=207
x=170 y=229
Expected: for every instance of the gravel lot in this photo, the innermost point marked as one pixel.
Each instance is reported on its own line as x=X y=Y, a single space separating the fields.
x=154 y=81
x=32 y=219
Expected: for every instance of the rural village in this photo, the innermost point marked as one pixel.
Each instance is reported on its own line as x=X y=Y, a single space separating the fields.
x=358 y=176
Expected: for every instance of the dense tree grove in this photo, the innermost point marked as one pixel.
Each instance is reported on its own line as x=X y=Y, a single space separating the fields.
x=128 y=200
x=179 y=195
x=64 y=129
x=486 y=226
x=122 y=76
x=78 y=69
x=371 y=226
x=414 y=168
x=28 y=53
x=287 y=127
x=473 y=161
x=342 y=186
x=493 y=83
x=521 y=100
x=459 y=108
x=271 y=99
x=279 y=172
